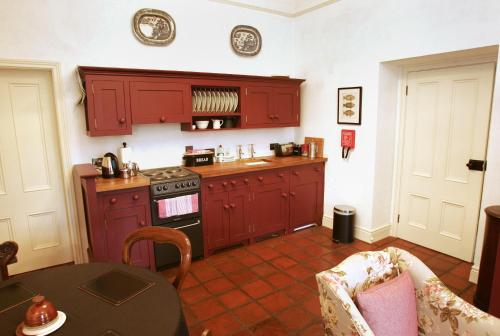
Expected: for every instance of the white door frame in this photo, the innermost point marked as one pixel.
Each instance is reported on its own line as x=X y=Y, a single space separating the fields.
x=445 y=62
x=62 y=138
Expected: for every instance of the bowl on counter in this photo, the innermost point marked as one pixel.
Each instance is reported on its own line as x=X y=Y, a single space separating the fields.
x=202 y=124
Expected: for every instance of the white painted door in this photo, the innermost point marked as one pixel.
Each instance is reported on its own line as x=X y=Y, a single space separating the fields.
x=32 y=203
x=447 y=119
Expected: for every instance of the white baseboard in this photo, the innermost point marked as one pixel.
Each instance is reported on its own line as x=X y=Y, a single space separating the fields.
x=366 y=235
x=474 y=274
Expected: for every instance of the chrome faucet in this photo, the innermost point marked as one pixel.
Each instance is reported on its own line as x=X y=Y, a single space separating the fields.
x=251 y=150
x=240 y=152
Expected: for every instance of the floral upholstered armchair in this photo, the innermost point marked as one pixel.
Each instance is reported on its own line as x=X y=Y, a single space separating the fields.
x=439 y=311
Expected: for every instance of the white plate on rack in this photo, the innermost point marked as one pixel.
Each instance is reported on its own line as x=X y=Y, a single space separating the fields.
x=203 y=97
x=194 y=98
x=228 y=102
x=234 y=101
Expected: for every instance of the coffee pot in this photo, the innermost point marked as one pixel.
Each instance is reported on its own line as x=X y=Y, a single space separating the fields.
x=110 y=166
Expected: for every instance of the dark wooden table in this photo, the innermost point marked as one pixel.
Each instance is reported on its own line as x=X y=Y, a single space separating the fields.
x=157 y=311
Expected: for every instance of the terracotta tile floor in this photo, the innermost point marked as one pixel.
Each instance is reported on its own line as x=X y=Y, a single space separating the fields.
x=268 y=288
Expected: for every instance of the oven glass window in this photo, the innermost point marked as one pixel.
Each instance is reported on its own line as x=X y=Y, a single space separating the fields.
x=178 y=206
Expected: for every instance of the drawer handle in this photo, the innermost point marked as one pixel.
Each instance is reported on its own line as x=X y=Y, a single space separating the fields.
x=142 y=223
x=210 y=186
x=246 y=181
x=135 y=197
x=232 y=205
x=233 y=182
x=292 y=194
x=226 y=206
x=224 y=183
x=122 y=121
x=162 y=119
x=260 y=178
x=317 y=169
x=281 y=175
x=112 y=201
x=284 y=195
x=296 y=173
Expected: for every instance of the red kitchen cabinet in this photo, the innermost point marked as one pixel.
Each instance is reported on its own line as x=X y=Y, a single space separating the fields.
x=265 y=106
x=121 y=212
x=270 y=209
x=258 y=106
x=108 y=108
x=216 y=219
x=226 y=212
x=159 y=101
x=306 y=195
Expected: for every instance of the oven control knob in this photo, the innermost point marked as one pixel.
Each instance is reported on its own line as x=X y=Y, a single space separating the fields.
x=177 y=185
x=194 y=183
x=158 y=188
x=183 y=185
x=188 y=184
x=165 y=187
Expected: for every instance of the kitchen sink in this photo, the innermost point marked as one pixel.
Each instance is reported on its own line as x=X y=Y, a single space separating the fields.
x=258 y=162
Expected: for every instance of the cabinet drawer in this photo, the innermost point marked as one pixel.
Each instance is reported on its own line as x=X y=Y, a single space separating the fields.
x=226 y=184
x=271 y=177
x=306 y=173
x=125 y=199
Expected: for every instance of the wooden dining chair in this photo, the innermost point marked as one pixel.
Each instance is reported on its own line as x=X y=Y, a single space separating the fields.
x=162 y=235
x=8 y=251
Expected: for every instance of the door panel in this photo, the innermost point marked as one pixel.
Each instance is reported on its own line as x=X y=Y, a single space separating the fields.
x=447 y=117
x=119 y=223
x=270 y=208
x=158 y=102
x=32 y=204
x=108 y=106
x=304 y=203
x=286 y=105
x=216 y=219
x=239 y=215
x=258 y=106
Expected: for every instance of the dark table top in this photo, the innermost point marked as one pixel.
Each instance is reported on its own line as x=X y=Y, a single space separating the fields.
x=156 y=311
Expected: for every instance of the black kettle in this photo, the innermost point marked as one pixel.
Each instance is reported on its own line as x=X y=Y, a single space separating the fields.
x=110 y=166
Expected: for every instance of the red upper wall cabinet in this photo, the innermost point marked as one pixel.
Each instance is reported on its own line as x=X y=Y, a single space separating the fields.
x=108 y=111
x=159 y=101
x=119 y=98
x=265 y=106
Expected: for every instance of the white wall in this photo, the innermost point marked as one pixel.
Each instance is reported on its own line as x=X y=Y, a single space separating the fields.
x=343 y=45
x=99 y=33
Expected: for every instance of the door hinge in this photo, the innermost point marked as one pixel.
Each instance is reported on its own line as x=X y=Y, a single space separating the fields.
x=246 y=92
x=407 y=90
x=95 y=123
x=398 y=218
x=297 y=117
x=246 y=119
x=105 y=225
x=297 y=93
x=93 y=88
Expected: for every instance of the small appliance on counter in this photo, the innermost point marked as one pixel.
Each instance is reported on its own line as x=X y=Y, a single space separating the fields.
x=110 y=166
x=283 y=149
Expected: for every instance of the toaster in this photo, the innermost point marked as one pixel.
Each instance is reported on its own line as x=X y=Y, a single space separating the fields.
x=282 y=149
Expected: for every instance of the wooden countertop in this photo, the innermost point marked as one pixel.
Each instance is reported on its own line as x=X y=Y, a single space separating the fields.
x=241 y=166
x=87 y=171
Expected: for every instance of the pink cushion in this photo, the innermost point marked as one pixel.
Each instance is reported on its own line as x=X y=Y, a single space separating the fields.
x=390 y=308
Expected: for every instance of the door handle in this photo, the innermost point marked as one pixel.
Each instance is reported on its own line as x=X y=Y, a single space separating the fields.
x=185 y=226
x=142 y=223
x=232 y=205
x=479 y=165
x=292 y=194
x=226 y=206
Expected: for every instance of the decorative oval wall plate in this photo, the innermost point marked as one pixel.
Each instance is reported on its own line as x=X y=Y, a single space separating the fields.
x=153 y=26
x=246 y=40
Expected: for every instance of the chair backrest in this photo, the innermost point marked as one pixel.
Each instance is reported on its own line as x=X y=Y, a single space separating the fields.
x=162 y=235
x=8 y=251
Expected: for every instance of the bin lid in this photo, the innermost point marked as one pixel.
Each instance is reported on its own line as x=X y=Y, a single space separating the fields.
x=343 y=209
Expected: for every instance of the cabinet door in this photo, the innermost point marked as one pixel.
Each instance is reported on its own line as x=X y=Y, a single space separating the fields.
x=306 y=195
x=257 y=106
x=118 y=224
x=286 y=106
x=269 y=209
x=158 y=102
x=216 y=219
x=239 y=215
x=107 y=106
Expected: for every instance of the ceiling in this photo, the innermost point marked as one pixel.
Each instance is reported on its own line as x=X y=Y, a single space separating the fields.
x=288 y=8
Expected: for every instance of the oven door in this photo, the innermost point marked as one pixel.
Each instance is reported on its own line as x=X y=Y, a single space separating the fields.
x=176 y=207
x=167 y=255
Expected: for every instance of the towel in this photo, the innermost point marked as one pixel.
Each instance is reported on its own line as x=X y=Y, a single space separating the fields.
x=178 y=206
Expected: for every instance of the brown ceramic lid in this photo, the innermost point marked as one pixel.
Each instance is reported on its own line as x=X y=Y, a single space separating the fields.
x=40 y=312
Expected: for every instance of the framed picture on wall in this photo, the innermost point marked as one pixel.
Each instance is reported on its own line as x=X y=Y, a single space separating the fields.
x=349 y=105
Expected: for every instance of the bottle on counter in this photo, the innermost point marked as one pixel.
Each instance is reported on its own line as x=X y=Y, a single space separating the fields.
x=220 y=153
